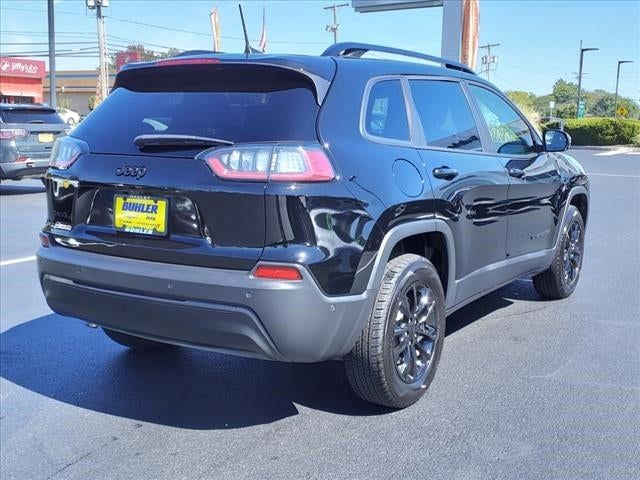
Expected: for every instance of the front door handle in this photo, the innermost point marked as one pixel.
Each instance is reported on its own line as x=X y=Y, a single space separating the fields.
x=516 y=172
x=445 y=173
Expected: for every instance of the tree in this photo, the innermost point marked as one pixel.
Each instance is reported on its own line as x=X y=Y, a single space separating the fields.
x=522 y=99
x=565 y=92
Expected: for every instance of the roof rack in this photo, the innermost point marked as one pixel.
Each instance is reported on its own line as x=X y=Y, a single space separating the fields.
x=357 y=50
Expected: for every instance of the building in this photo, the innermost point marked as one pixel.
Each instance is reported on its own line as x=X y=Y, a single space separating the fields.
x=75 y=88
x=21 y=80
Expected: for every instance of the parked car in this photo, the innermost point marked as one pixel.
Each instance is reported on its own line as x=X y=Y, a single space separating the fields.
x=69 y=116
x=305 y=208
x=27 y=134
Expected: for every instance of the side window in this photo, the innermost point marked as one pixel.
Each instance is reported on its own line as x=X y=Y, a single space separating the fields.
x=509 y=132
x=386 y=114
x=445 y=114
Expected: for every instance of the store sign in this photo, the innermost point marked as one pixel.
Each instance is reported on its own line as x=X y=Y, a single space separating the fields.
x=19 y=67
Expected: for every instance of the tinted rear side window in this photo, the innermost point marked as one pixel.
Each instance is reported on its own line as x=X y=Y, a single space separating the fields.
x=386 y=114
x=28 y=115
x=238 y=111
x=445 y=115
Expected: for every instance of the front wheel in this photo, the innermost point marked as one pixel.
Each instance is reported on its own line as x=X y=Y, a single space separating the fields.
x=561 y=278
x=397 y=354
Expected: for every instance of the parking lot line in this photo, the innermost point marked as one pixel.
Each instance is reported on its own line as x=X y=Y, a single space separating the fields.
x=13 y=261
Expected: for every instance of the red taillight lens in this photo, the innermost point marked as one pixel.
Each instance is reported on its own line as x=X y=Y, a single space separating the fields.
x=11 y=133
x=307 y=163
x=277 y=272
x=66 y=151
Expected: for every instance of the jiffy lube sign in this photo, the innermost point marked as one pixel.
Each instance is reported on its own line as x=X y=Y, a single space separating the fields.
x=19 y=67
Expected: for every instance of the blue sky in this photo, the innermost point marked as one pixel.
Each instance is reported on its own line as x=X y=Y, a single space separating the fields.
x=539 y=39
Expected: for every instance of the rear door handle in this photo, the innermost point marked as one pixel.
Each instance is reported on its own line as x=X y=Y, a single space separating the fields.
x=445 y=173
x=516 y=172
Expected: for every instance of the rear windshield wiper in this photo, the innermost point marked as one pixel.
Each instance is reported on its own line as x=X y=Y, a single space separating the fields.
x=175 y=140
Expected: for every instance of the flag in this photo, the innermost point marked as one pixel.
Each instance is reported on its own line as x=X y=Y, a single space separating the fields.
x=470 y=28
x=263 y=36
x=215 y=29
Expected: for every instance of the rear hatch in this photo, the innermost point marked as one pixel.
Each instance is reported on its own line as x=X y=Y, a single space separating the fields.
x=34 y=130
x=193 y=216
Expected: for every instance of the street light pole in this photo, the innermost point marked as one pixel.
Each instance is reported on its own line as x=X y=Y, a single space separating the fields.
x=53 y=100
x=615 y=104
x=582 y=50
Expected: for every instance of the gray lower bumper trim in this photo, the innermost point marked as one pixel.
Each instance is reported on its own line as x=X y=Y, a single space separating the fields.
x=223 y=310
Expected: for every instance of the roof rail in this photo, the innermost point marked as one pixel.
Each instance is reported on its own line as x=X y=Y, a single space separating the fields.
x=356 y=50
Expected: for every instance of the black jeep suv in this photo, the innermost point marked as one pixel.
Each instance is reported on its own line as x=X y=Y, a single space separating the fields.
x=301 y=208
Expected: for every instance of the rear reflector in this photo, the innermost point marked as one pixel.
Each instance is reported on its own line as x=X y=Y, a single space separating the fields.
x=277 y=272
x=308 y=163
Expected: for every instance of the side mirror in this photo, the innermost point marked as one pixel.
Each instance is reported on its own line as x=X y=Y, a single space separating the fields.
x=556 y=141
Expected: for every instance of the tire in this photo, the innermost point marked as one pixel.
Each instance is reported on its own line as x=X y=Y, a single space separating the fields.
x=561 y=278
x=133 y=342
x=376 y=372
x=71 y=122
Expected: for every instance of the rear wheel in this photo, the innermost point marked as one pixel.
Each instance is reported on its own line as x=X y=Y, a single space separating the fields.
x=395 y=359
x=133 y=342
x=561 y=278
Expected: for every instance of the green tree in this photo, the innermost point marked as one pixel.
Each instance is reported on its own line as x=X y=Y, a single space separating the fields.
x=565 y=92
x=522 y=99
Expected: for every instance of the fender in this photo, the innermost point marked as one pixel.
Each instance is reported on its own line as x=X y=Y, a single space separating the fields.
x=562 y=227
x=396 y=234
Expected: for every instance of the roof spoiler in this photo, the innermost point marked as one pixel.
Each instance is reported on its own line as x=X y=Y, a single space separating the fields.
x=357 y=50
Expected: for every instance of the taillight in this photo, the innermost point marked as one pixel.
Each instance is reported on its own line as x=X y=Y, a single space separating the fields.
x=301 y=163
x=11 y=133
x=277 y=272
x=66 y=151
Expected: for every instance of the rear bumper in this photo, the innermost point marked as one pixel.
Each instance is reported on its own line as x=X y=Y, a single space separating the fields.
x=31 y=167
x=222 y=310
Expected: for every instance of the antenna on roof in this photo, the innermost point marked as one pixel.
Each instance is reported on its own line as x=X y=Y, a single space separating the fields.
x=247 y=47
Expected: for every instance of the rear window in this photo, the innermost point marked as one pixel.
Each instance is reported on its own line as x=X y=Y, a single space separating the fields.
x=29 y=115
x=245 y=108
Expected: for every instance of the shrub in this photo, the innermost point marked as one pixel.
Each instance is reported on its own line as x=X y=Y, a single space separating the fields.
x=600 y=131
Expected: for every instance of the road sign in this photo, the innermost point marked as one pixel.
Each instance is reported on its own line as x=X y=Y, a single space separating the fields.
x=581 y=110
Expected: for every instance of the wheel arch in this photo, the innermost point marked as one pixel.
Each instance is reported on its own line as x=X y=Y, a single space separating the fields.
x=409 y=235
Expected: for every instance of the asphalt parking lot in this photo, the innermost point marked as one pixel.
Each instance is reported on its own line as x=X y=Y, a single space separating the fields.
x=526 y=388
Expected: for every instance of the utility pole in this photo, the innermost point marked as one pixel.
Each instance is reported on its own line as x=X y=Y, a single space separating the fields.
x=53 y=100
x=615 y=104
x=582 y=50
x=98 y=5
x=334 y=27
x=488 y=59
